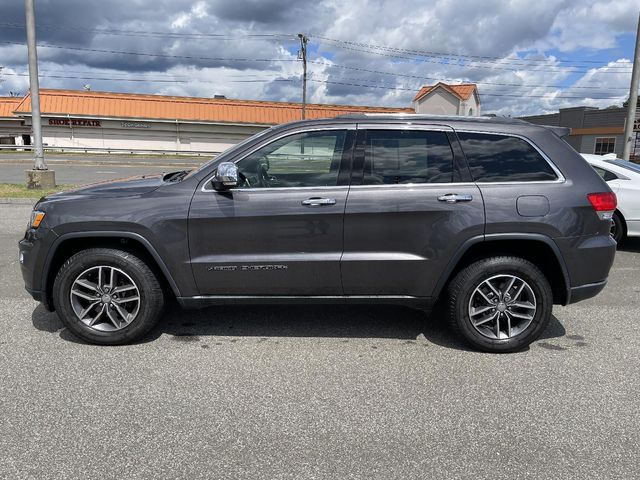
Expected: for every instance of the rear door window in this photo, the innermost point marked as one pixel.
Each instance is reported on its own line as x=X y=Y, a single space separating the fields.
x=407 y=156
x=502 y=158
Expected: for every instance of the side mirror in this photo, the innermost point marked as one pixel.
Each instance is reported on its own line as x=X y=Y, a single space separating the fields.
x=226 y=176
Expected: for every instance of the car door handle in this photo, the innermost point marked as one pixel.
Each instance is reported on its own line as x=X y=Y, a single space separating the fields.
x=455 y=197
x=318 y=201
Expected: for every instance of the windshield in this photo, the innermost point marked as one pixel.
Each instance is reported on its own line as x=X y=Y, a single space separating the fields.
x=236 y=147
x=634 y=167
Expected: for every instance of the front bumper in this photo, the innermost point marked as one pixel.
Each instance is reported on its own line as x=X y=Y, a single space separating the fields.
x=33 y=249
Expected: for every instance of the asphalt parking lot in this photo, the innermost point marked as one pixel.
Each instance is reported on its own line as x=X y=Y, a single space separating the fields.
x=318 y=392
x=78 y=169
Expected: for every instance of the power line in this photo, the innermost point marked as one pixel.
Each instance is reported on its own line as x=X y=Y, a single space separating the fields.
x=191 y=57
x=484 y=94
x=347 y=67
x=330 y=82
x=146 y=33
x=277 y=36
x=161 y=55
x=129 y=74
x=188 y=79
x=147 y=80
x=567 y=69
x=426 y=53
x=265 y=60
x=421 y=77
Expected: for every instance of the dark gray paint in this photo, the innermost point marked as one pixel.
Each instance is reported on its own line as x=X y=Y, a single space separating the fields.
x=377 y=243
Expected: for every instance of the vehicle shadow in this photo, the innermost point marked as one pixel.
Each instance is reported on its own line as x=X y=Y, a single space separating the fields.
x=315 y=321
x=630 y=245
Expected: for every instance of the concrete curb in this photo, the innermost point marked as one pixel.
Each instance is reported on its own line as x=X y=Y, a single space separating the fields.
x=18 y=201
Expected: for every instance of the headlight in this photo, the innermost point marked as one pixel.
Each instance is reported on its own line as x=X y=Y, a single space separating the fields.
x=36 y=218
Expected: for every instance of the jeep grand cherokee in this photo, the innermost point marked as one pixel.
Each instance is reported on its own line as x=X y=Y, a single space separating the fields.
x=499 y=218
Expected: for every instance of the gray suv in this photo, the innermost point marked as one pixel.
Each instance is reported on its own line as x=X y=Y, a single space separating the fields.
x=498 y=218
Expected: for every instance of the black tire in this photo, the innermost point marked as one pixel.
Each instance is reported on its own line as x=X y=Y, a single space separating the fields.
x=467 y=280
x=617 y=227
x=151 y=296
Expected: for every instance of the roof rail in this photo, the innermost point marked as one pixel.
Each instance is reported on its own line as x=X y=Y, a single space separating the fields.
x=421 y=116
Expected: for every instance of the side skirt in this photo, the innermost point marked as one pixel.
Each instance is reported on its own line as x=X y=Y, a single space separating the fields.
x=420 y=303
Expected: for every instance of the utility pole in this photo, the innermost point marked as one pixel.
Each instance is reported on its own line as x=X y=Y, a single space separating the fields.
x=33 y=83
x=40 y=176
x=633 y=98
x=303 y=54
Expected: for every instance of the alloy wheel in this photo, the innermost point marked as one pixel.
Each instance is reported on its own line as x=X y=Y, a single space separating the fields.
x=105 y=298
x=502 y=307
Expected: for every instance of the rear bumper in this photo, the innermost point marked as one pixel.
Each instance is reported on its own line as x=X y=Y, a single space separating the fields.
x=588 y=260
x=577 y=294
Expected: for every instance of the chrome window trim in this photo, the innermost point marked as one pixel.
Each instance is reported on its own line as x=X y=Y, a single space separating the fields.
x=415 y=185
x=348 y=126
x=560 y=177
x=364 y=126
x=269 y=189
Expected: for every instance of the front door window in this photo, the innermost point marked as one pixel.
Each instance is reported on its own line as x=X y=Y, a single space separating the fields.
x=310 y=159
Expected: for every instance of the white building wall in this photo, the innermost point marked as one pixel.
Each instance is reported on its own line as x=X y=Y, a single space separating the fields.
x=438 y=102
x=148 y=135
x=441 y=102
x=471 y=107
x=12 y=130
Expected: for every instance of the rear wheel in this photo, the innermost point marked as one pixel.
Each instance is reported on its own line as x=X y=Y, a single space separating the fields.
x=500 y=304
x=617 y=227
x=107 y=296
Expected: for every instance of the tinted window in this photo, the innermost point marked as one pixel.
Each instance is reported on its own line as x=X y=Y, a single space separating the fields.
x=404 y=156
x=634 y=167
x=302 y=160
x=500 y=158
x=606 y=175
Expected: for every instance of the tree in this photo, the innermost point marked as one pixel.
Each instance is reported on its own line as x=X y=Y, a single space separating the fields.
x=626 y=102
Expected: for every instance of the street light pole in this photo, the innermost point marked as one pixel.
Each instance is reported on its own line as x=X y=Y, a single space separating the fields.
x=633 y=98
x=34 y=85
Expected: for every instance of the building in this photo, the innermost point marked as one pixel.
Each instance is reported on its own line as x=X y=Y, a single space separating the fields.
x=593 y=130
x=12 y=128
x=104 y=120
x=444 y=99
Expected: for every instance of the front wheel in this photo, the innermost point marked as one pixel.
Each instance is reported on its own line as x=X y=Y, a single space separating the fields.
x=500 y=304
x=107 y=296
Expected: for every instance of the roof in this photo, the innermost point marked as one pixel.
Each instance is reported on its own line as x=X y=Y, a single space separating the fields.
x=128 y=105
x=463 y=91
x=8 y=105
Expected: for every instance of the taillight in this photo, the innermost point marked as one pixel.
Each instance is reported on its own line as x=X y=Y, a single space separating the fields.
x=603 y=201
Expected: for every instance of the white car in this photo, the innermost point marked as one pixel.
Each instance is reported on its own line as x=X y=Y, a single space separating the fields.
x=623 y=178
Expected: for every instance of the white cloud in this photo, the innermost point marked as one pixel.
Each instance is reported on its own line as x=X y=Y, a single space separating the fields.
x=488 y=35
x=199 y=10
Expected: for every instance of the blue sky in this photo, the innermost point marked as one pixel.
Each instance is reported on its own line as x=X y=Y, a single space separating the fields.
x=527 y=57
